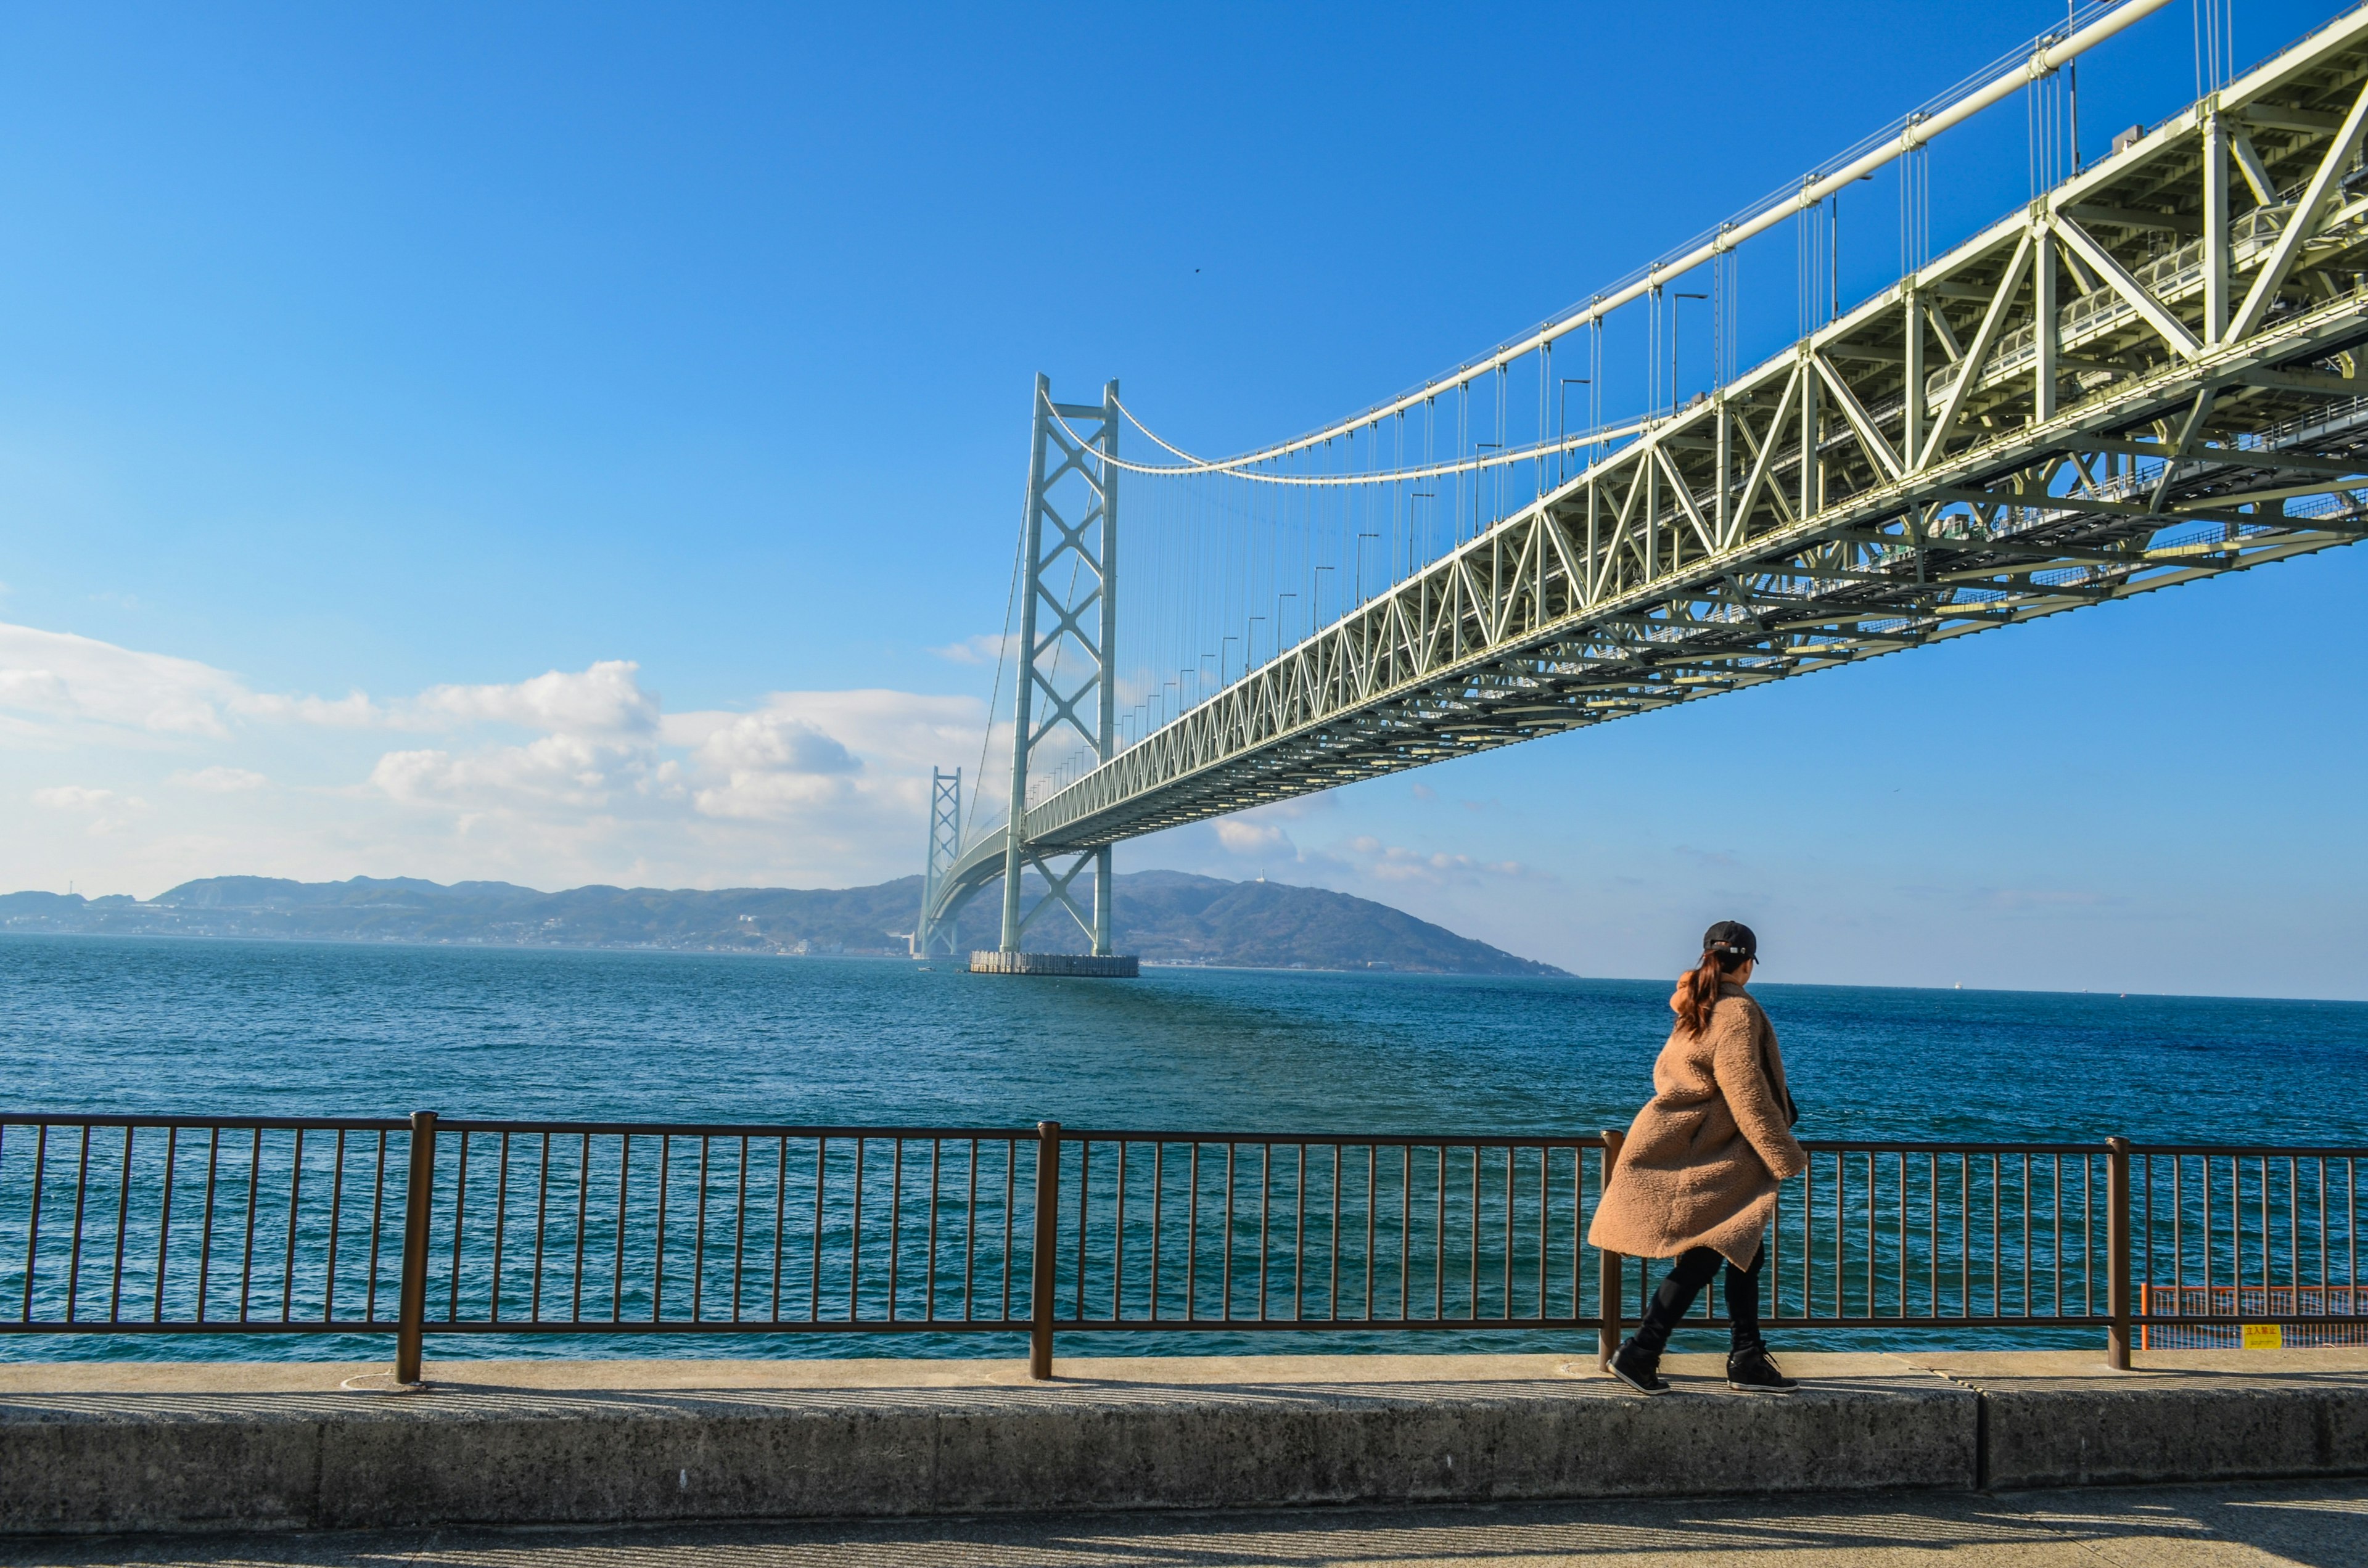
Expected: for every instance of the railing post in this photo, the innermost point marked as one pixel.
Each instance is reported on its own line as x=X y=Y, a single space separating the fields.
x=2117 y=1231
x=1048 y=1244
x=1613 y=1268
x=411 y=1300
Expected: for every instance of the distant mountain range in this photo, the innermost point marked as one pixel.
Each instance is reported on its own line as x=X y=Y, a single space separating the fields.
x=1165 y=916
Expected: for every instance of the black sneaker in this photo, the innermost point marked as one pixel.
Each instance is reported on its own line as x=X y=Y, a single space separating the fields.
x=1637 y=1367
x=1752 y=1370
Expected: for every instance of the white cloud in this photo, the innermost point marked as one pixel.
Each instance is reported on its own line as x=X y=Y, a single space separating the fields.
x=217 y=781
x=986 y=648
x=809 y=788
x=109 y=812
x=1242 y=837
x=606 y=699
x=57 y=675
x=75 y=798
x=59 y=687
x=1395 y=863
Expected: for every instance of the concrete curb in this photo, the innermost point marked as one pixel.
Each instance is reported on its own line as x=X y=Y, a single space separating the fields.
x=581 y=1443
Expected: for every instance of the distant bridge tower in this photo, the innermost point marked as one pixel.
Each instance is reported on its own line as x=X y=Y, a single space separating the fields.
x=930 y=940
x=1068 y=642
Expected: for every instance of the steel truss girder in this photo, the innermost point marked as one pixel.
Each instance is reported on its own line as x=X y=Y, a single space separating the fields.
x=1838 y=503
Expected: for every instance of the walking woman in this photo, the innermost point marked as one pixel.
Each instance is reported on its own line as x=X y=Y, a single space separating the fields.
x=1698 y=1173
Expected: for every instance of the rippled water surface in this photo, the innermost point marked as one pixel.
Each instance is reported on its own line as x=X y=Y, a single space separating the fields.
x=345 y=1029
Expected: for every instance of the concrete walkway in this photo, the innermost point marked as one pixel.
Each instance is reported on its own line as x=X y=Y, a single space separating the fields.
x=2322 y=1524
x=117 y=1446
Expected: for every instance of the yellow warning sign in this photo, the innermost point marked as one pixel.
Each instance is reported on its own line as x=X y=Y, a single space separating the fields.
x=2264 y=1336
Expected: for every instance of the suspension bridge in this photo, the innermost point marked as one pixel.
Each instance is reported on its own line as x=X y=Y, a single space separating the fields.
x=2146 y=376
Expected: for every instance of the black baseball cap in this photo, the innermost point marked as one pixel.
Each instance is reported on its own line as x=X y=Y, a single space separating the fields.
x=1732 y=939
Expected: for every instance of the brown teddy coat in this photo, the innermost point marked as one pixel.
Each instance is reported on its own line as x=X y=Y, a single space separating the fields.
x=1702 y=1159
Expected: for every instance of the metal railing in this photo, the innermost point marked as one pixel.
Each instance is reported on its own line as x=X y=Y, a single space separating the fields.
x=113 y=1224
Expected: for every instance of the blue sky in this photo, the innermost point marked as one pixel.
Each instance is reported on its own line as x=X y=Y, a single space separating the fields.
x=557 y=443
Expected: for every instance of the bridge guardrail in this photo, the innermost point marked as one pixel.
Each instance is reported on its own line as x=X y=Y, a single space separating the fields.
x=158 y=1224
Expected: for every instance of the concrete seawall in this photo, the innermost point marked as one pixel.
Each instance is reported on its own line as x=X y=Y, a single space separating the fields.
x=109 y=1447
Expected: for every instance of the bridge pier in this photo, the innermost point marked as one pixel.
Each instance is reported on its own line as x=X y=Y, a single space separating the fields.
x=1088 y=966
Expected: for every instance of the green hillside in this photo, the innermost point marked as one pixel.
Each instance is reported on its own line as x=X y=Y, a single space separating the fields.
x=1165 y=916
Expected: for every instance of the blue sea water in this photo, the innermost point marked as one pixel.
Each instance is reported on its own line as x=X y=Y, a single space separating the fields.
x=223 y=1026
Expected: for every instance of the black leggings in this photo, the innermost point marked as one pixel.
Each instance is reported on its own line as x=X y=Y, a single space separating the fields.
x=1692 y=1271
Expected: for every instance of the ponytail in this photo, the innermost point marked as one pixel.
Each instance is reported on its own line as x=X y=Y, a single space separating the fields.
x=1698 y=989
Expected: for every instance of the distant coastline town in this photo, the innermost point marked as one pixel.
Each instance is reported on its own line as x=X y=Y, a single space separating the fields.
x=1171 y=918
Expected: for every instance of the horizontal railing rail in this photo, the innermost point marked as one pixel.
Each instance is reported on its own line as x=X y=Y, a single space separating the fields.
x=193 y=1225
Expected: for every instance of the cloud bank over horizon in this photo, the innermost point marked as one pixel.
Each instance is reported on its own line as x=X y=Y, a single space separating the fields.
x=135 y=771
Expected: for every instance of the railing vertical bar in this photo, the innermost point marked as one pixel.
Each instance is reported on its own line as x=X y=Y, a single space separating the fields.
x=378 y=1212
x=2089 y=1234
x=970 y=1233
x=2026 y=1235
x=855 y=1254
x=1472 y=1265
x=1299 y=1238
x=337 y=1217
x=937 y=1168
x=2293 y=1235
x=2321 y=1164
x=813 y=1300
x=582 y=1213
x=1405 y=1230
x=657 y=1245
x=1507 y=1269
x=2117 y=1245
x=2178 y=1228
x=205 y=1225
x=246 y=1260
x=699 y=1236
x=1965 y=1200
x=895 y=1218
x=1085 y=1182
x=122 y=1227
x=740 y=1228
x=501 y=1224
x=1545 y=1212
x=1299 y=1235
x=1873 y=1209
x=1226 y=1275
x=1372 y=1222
x=1901 y=1229
x=541 y=1228
x=1841 y=1232
x=2207 y=1227
x=1266 y=1218
x=1192 y=1238
x=165 y=1217
x=617 y=1275
x=1158 y=1201
x=782 y=1211
x=2263 y=1163
x=1118 y=1242
x=1808 y=1237
x=1010 y=1200
x=2147 y=1248
x=460 y=1207
x=73 y=1254
x=1332 y=1292
x=1439 y=1235
x=1998 y=1191
x=1932 y=1234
